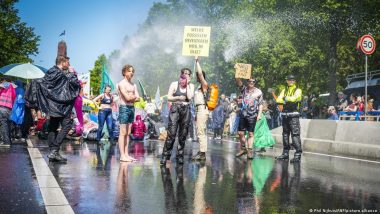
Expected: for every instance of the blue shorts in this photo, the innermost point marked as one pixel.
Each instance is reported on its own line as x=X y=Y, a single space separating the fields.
x=126 y=114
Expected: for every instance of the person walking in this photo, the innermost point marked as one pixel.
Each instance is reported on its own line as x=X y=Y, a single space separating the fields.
x=55 y=95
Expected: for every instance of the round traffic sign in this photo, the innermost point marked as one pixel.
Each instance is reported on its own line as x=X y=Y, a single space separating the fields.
x=367 y=44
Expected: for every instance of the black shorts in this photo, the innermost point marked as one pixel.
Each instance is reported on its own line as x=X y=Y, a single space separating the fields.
x=247 y=124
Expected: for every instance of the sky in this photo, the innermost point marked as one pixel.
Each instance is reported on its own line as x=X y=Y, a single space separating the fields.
x=92 y=27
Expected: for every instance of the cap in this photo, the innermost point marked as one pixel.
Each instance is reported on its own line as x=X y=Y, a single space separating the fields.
x=291 y=77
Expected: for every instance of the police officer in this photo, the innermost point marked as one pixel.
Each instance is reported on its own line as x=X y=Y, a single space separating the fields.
x=291 y=98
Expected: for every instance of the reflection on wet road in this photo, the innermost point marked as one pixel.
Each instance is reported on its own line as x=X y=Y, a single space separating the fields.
x=95 y=180
x=19 y=189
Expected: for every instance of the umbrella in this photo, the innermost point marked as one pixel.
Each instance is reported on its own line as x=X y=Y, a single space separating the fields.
x=26 y=71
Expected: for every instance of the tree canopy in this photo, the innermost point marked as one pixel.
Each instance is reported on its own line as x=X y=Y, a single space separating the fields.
x=18 y=41
x=315 y=40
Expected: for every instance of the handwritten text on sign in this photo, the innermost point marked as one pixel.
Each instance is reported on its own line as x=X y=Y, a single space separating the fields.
x=243 y=71
x=196 y=41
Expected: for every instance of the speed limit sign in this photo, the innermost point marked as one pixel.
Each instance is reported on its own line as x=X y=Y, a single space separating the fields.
x=367 y=44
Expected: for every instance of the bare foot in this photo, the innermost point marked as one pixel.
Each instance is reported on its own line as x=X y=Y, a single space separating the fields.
x=131 y=158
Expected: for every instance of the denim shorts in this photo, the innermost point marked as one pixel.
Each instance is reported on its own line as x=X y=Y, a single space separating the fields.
x=126 y=114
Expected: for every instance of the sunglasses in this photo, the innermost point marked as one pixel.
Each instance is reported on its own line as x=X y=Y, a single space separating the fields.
x=252 y=81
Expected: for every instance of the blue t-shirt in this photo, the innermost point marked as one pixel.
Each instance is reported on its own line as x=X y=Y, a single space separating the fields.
x=333 y=117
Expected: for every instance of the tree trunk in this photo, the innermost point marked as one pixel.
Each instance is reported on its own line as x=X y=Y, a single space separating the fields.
x=335 y=34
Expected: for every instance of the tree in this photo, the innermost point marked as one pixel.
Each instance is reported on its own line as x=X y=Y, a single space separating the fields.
x=313 y=39
x=18 y=41
x=96 y=74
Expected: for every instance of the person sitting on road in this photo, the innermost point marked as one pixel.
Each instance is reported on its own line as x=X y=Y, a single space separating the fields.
x=138 y=129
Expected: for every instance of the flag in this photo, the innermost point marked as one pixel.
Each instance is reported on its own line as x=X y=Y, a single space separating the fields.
x=157 y=99
x=142 y=90
x=106 y=80
x=85 y=78
x=63 y=33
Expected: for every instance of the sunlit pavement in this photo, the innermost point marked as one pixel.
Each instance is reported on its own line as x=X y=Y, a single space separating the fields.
x=94 y=181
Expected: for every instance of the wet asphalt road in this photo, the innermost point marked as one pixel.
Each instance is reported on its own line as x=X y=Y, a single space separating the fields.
x=19 y=190
x=94 y=181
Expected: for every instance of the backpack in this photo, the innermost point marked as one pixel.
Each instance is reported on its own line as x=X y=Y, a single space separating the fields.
x=211 y=96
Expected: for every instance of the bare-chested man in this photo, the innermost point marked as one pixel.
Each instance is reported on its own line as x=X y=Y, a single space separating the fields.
x=128 y=96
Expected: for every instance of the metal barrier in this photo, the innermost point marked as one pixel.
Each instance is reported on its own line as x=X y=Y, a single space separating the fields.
x=359 y=115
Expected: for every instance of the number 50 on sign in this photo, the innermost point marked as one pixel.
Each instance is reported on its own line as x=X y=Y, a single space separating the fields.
x=367 y=44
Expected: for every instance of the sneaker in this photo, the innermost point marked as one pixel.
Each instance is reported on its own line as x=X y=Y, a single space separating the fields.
x=200 y=156
x=54 y=156
x=284 y=156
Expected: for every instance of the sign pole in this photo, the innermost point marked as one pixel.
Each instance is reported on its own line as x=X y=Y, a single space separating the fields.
x=194 y=71
x=366 y=84
x=368 y=45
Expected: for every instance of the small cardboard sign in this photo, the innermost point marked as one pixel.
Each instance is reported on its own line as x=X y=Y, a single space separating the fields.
x=196 y=41
x=243 y=71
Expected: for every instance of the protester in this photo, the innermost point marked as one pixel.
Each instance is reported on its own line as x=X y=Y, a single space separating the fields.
x=47 y=93
x=304 y=107
x=105 y=113
x=291 y=97
x=78 y=106
x=7 y=99
x=27 y=123
x=18 y=110
x=226 y=123
x=218 y=121
x=332 y=112
x=128 y=95
x=180 y=93
x=251 y=111
x=138 y=129
x=274 y=113
x=239 y=103
x=201 y=112
x=233 y=115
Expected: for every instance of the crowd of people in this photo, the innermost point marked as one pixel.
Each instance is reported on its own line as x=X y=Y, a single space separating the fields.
x=53 y=105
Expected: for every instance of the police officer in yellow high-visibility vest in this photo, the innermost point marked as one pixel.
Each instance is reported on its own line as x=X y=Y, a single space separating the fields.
x=290 y=98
